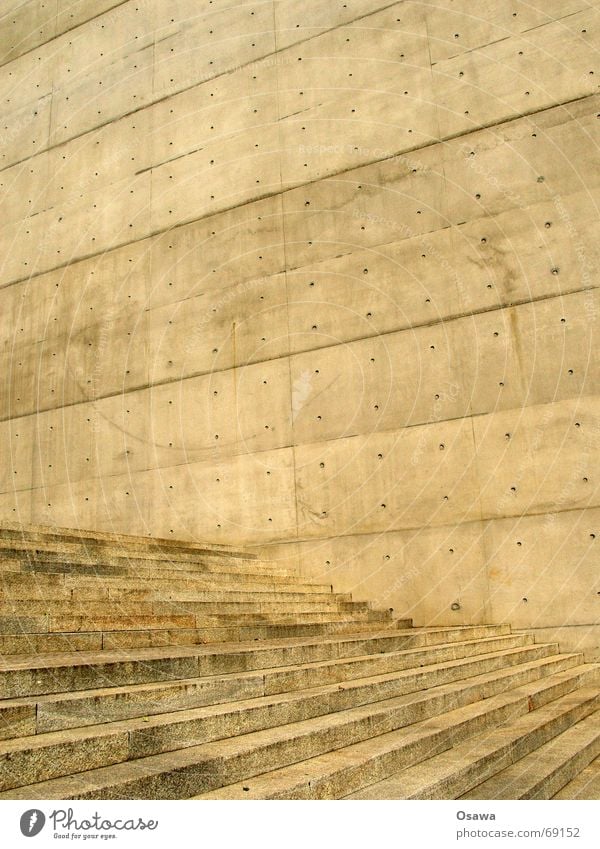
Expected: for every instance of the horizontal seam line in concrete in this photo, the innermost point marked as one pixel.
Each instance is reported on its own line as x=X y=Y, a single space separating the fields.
x=210 y=454
x=283 y=191
x=291 y=355
x=167 y=161
x=193 y=85
x=558 y=20
x=564 y=625
x=510 y=35
x=379 y=533
x=479 y=47
x=64 y=32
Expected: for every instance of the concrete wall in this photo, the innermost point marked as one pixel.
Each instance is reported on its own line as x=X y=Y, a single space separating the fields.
x=318 y=278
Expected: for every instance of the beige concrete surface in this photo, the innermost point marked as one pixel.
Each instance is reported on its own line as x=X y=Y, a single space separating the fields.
x=317 y=278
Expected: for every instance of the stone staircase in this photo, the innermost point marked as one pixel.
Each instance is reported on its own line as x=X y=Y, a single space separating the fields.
x=139 y=668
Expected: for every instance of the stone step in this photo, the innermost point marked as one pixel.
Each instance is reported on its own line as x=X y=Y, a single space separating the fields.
x=174 y=557
x=584 y=786
x=120 y=621
x=90 y=640
x=350 y=768
x=457 y=772
x=24 y=676
x=27 y=716
x=81 y=553
x=17 y=532
x=214 y=581
x=195 y=769
x=58 y=753
x=97 y=593
x=77 y=607
x=144 y=567
x=35 y=625
x=543 y=772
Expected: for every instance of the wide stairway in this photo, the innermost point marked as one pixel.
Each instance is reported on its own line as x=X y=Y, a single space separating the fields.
x=139 y=668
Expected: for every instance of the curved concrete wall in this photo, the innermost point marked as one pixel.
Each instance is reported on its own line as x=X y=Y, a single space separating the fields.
x=318 y=278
